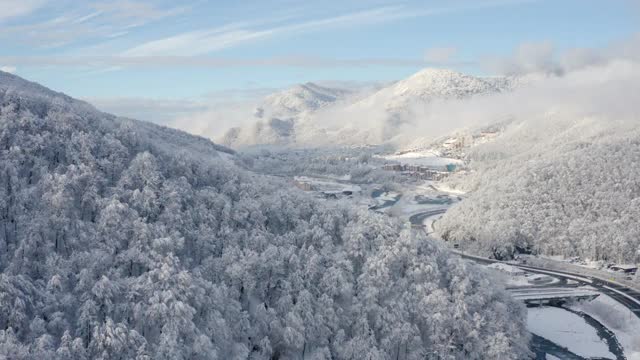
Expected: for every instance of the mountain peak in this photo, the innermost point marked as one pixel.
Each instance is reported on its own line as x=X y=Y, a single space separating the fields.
x=442 y=83
x=301 y=98
x=392 y=104
x=437 y=73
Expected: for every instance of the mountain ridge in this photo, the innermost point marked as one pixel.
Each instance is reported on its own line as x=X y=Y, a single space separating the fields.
x=391 y=106
x=40 y=100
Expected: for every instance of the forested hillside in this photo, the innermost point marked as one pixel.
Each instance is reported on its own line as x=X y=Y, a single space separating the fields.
x=124 y=240
x=555 y=186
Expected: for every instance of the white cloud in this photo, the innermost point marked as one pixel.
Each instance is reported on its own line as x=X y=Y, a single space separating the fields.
x=527 y=58
x=87 y=17
x=140 y=11
x=147 y=62
x=607 y=91
x=532 y=57
x=16 y=8
x=195 y=43
x=161 y=111
x=205 y=41
x=208 y=115
x=9 y=69
x=72 y=21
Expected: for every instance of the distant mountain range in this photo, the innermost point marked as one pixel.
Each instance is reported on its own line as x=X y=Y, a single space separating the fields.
x=311 y=114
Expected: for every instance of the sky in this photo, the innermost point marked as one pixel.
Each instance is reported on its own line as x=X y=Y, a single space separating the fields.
x=157 y=60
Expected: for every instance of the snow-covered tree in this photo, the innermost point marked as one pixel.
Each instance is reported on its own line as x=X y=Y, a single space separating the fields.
x=125 y=240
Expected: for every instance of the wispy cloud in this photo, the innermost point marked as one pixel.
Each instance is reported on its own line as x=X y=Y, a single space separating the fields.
x=218 y=62
x=160 y=111
x=543 y=57
x=196 y=42
x=63 y=22
x=16 y=8
x=87 y=17
x=137 y=10
x=101 y=27
x=205 y=41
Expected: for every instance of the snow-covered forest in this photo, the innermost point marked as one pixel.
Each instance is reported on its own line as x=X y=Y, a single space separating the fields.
x=563 y=178
x=124 y=240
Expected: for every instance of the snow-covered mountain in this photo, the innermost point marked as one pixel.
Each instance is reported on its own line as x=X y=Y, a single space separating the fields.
x=122 y=239
x=278 y=114
x=299 y=99
x=430 y=84
x=562 y=176
x=309 y=114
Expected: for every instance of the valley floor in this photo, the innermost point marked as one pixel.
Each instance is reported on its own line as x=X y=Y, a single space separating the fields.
x=602 y=328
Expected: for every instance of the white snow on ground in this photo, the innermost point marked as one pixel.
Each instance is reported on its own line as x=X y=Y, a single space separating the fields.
x=446 y=189
x=423 y=158
x=516 y=279
x=541 y=279
x=428 y=223
x=568 y=330
x=531 y=280
x=552 y=262
x=388 y=196
x=617 y=318
x=512 y=270
x=327 y=185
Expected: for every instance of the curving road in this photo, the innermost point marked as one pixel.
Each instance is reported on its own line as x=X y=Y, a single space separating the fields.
x=418 y=218
x=624 y=295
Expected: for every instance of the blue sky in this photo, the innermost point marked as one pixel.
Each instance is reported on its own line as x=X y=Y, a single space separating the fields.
x=193 y=50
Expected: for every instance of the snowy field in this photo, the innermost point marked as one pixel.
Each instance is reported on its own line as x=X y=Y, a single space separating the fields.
x=328 y=185
x=567 y=330
x=422 y=158
x=617 y=318
x=446 y=189
x=524 y=279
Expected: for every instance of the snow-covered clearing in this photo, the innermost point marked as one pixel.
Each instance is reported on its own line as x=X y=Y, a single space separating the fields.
x=568 y=330
x=617 y=318
x=527 y=279
x=422 y=158
x=388 y=196
x=446 y=189
x=327 y=185
x=429 y=222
